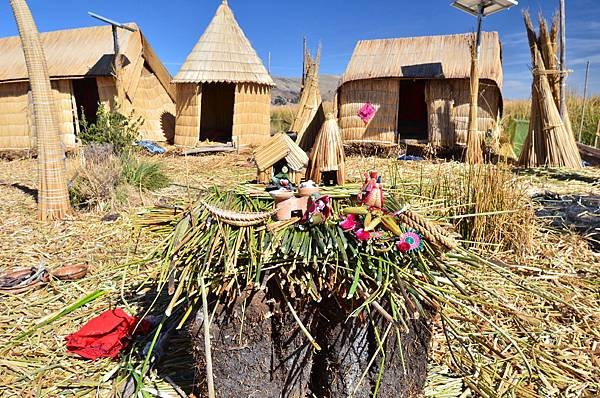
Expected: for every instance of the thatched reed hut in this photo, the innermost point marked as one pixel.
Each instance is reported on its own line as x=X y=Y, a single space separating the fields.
x=419 y=87
x=223 y=88
x=80 y=64
x=279 y=151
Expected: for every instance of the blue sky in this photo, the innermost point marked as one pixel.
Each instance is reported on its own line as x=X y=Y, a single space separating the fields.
x=277 y=26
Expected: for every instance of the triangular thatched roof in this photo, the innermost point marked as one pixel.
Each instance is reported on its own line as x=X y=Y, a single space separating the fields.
x=223 y=54
x=278 y=147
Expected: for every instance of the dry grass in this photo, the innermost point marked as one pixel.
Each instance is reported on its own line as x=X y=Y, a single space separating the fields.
x=520 y=109
x=486 y=204
x=39 y=366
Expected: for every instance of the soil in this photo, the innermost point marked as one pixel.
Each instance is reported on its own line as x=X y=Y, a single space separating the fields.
x=273 y=358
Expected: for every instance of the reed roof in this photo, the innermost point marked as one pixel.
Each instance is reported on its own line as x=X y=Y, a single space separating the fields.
x=223 y=54
x=84 y=52
x=278 y=147
x=430 y=57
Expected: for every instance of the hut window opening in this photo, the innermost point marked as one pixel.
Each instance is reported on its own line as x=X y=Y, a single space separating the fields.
x=86 y=97
x=412 y=110
x=216 y=119
x=328 y=178
x=278 y=167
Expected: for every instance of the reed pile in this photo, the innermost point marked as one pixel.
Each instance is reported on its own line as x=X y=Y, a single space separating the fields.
x=328 y=152
x=547 y=299
x=550 y=141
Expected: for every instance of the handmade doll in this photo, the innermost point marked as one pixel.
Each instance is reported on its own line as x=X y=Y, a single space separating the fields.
x=371 y=193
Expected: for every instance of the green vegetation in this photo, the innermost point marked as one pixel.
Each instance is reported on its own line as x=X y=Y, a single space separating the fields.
x=110 y=164
x=111 y=127
x=145 y=174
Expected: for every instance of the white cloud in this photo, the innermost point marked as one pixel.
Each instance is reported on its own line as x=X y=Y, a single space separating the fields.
x=516 y=87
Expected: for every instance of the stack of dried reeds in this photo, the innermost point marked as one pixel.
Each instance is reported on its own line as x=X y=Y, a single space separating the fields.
x=550 y=141
x=310 y=115
x=328 y=152
x=474 y=152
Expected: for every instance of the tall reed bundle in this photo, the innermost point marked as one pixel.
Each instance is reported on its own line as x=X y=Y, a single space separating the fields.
x=550 y=141
x=328 y=152
x=53 y=196
x=561 y=148
x=310 y=114
x=474 y=152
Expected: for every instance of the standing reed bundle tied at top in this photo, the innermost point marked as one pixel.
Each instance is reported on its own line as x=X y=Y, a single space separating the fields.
x=328 y=152
x=550 y=141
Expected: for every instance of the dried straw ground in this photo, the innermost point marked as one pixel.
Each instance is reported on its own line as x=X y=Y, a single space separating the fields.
x=38 y=365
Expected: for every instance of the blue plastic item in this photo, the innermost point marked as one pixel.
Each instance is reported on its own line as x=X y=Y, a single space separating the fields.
x=410 y=157
x=151 y=147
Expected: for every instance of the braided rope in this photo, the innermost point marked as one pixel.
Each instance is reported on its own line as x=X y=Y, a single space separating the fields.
x=430 y=231
x=238 y=219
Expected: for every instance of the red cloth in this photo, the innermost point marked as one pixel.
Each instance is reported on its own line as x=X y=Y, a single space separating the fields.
x=104 y=336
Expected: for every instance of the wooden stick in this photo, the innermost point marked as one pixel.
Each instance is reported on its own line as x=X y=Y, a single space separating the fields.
x=585 y=84
x=207 y=350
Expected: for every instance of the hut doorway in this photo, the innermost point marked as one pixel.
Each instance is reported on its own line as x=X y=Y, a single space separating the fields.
x=86 y=97
x=216 y=118
x=412 y=110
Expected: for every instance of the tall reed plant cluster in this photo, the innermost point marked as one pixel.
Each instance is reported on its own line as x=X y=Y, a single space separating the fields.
x=485 y=203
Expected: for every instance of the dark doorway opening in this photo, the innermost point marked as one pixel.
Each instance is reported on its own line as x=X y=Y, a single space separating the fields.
x=412 y=110
x=216 y=118
x=86 y=97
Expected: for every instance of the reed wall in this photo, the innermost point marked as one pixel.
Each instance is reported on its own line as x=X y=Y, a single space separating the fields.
x=15 y=120
x=447 y=108
x=66 y=111
x=16 y=117
x=107 y=91
x=489 y=103
x=153 y=103
x=252 y=114
x=187 y=119
x=383 y=94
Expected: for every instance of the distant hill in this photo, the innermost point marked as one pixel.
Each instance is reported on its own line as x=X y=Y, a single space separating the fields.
x=288 y=89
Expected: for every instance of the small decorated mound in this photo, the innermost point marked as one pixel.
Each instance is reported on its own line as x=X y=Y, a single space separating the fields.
x=333 y=303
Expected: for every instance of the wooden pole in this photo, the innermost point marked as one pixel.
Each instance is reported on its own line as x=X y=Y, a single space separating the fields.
x=117 y=66
x=207 y=348
x=587 y=69
x=304 y=63
x=597 y=135
x=563 y=56
x=269 y=62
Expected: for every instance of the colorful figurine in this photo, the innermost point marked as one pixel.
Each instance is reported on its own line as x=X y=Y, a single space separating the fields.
x=371 y=193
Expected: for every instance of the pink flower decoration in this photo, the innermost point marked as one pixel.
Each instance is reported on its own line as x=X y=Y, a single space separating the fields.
x=412 y=238
x=363 y=235
x=403 y=247
x=350 y=223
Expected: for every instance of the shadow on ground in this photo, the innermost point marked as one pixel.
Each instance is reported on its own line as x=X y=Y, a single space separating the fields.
x=572 y=212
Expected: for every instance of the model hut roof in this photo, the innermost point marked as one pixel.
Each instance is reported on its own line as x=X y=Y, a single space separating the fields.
x=85 y=52
x=280 y=146
x=425 y=57
x=223 y=54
